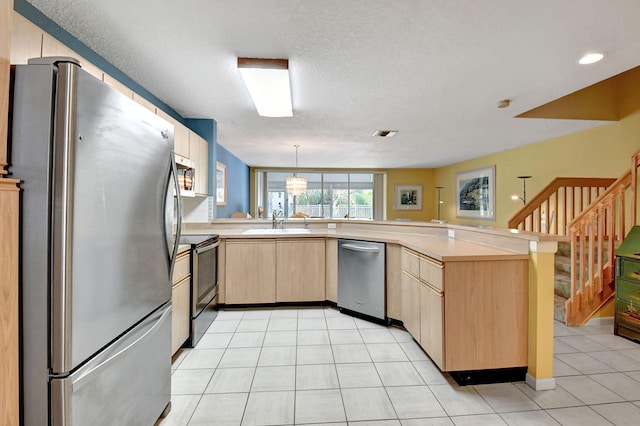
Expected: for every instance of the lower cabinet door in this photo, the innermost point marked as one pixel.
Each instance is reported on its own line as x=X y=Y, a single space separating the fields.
x=250 y=275
x=431 y=324
x=300 y=270
x=181 y=314
x=411 y=304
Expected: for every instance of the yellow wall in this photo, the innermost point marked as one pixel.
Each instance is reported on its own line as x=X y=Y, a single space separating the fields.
x=424 y=177
x=603 y=151
x=607 y=310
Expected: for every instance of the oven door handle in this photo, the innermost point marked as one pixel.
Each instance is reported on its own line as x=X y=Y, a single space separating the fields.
x=207 y=247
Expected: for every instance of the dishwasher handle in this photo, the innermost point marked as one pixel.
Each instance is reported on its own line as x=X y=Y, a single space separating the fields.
x=356 y=247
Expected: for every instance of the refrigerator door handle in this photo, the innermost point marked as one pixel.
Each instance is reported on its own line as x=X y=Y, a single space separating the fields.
x=172 y=246
x=96 y=366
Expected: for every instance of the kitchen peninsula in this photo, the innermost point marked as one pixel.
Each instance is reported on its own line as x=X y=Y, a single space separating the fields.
x=474 y=298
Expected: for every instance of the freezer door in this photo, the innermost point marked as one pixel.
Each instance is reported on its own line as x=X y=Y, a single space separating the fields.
x=129 y=383
x=111 y=262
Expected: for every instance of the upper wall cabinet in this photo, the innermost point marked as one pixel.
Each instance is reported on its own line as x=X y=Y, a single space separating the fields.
x=199 y=150
x=181 y=135
x=112 y=82
x=30 y=41
x=52 y=47
x=145 y=103
x=26 y=40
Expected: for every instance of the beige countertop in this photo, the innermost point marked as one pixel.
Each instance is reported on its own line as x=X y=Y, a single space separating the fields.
x=439 y=247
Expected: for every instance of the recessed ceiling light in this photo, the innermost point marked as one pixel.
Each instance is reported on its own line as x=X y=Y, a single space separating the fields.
x=590 y=58
x=385 y=133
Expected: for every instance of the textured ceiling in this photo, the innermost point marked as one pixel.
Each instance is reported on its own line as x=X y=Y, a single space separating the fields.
x=432 y=69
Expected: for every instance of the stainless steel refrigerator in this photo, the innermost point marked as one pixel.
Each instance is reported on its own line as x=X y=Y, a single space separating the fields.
x=99 y=219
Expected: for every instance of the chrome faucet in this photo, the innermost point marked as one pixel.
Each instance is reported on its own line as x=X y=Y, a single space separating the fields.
x=275 y=223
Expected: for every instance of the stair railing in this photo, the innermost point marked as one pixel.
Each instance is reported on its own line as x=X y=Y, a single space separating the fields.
x=553 y=208
x=594 y=234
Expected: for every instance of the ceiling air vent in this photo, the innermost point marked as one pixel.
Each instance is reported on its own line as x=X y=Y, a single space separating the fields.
x=385 y=133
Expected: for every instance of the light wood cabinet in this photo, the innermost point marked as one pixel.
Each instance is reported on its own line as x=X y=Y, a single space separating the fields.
x=9 y=305
x=53 y=47
x=394 y=281
x=180 y=314
x=431 y=326
x=250 y=275
x=180 y=303
x=411 y=304
x=485 y=314
x=145 y=103
x=115 y=84
x=199 y=150
x=300 y=271
x=26 y=40
x=331 y=270
x=472 y=315
x=181 y=135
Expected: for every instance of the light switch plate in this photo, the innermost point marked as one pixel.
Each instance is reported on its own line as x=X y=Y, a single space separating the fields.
x=451 y=233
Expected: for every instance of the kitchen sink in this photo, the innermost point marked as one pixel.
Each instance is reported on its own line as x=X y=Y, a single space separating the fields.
x=270 y=231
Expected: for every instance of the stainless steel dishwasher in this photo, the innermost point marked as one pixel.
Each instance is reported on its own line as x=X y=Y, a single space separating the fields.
x=361 y=277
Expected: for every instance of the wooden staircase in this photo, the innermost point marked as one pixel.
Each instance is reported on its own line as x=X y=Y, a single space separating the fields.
x=592 y=215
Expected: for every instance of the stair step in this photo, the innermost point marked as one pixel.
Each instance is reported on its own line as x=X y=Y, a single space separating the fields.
x=564 y=249
x=562 y=285
x=559 y=311
x=563 y=264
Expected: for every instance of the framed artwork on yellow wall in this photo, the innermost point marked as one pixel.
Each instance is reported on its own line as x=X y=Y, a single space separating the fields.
x=475 y=193
x=408 y=197
x=221 y=184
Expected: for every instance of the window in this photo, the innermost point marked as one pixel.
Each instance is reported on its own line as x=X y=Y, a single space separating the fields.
x=329 y=195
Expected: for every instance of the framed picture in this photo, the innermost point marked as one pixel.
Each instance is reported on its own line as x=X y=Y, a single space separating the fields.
x=475 y=193
x=408 y=197
x=221 y=184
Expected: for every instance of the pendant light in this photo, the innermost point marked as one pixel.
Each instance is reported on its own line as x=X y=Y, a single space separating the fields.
x=296 y=185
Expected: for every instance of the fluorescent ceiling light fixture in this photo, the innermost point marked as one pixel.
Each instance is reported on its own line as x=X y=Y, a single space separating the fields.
x=590 y=58
x=268 y=83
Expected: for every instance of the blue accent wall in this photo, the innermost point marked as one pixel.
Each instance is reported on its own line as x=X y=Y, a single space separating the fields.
x=237 y=184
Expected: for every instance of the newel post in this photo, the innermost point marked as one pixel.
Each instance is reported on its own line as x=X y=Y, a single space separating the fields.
x=540 y=345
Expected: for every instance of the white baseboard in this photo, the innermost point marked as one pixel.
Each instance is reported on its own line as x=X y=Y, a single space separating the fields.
x=541 y=384
x=596 y=322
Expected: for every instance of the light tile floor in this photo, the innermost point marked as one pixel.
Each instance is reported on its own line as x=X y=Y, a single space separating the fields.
x=318 y=366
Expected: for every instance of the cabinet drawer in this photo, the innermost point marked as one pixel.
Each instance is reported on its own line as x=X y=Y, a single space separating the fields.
x=410 y=262
x=431 y=272
x=629 y=269
x=182 y=268
x=181 y=314
x=628 y=290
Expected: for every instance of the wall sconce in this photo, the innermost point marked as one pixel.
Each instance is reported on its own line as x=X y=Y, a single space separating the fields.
x=438 y=188
x=524 y=190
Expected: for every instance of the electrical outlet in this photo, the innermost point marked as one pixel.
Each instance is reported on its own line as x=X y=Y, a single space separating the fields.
x=451 y=233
